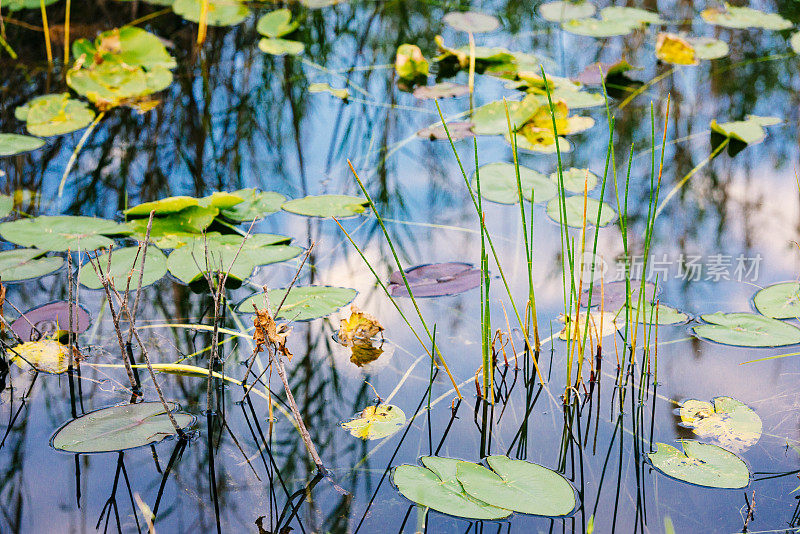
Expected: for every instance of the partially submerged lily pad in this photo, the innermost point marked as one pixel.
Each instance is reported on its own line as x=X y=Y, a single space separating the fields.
x=51 y=319
x=575 y=211
x=122 y=265
x=303 y=303
x=62 y=232
x=45 y=355
x=747 y=330
x=117 y=428
x=518 y=485
x=435 y=486
x=435 y=280
x=441 y=90
x=779 y=301
x=725 y=421
x=56 y=114
x=559 y=11
x=457 y=131
x=744 y=17
x=471 y=21
x=256 y=205
x=376 y=422
x=326 y=206
x=701 y=464
x=26 y=263
x=741 y=133
x=13 y=144
x=499 y=184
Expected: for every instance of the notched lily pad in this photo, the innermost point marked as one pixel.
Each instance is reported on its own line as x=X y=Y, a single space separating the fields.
x=255 y=205
x=117 y=428
x=376 y=422
x=701 y=464
x=435 y=280
x=51 y=320
x=747 y=330
x=303 y=303
x=725 y=421
x=779 y=301
x=327 y=206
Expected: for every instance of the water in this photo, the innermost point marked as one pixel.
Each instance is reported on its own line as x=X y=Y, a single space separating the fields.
x=235 y=117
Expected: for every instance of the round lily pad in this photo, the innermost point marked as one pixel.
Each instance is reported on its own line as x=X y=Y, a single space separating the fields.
x=499 y=184
x=574 y=211
x=702 y=464
x=779 y=301
x=725 y=421
x=708 y=47
x=56 y=114
x=471 y=21
x=441 y=90
x=632 y=14
x=122 y=264
x=559 y=11
x=747 y=330
x=46 y=355
x=51 y=319
x=435 y=486
x=117 y=428
x=27 y=263
x=376 y=422
x=13 y=144
x=326 y=206
x=576 y=180
x=62 y=232
x=220 y=12
x=256 y=205
x=599 y=28
x=518 y=485
x=303 y=303
x=276 y=23
x=280 y=47
x=435 y=280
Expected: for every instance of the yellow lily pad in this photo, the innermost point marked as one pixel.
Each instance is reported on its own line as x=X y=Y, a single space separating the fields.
x=376 y=422
x=725 y=421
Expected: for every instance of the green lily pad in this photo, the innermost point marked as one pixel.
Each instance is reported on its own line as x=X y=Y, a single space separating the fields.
x=16 y=5
x=6 y=205
x=747 y=330
x=410 y=63
x=220 y=12
x=169 y=205
x=27 y=263
x=256 y=205
x=435 y=486
x=326 y=206
x=441 y=90
x=701 y=464
x=794 y=42
x=666 y=315
x=276 y=23
x=745 y=17
x=518 y=485
x=376 y=422
x=632 y=14
x=60 y=233
x=54 y=115
x=741 y=133
x=303 y=303
x=726 y=422
x=779 y=301
x=490 y=119
x=471 y=21
x=227 y=253
x=708 y=47
x=499 y=184
x=122 y=263
x=118 y=428
x=13 y=144
x=576 y=180
x=342 y=93
x=175 y=229
x=559 y=11
x=280 y=47
x=577 y=99
x=574 y=211
x=599 y=28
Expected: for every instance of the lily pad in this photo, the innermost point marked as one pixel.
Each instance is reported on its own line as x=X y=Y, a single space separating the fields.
x=560 y=11
x=674 y=49
x=51 y=319
x=169 y=205
x=27 y=263
x=574 y=211
x=725 y=421
x=13 y=144
x=435 y=486
x=60 y=233
x=56 y=114
x=596 y=73
x=46 y=355
x=499 y=184
x=518 y=485
x=613 y=294
x=280 y=47
x=376 y=422
x=220 y=12
x=490 y=119
x=435 y=280
x=747 y=330
x=576 y=180
x=601 y=324
x=326 y=206
x=702 y=464
x=632 y=14
x=256 y=205
x=303 y=303
x=276 y=23
x=342 y=93
x=794 y=42
x=122 y=264
x=117 y=428
x=471 y=21
x=457 y=131
x=741 y=133
x=6 y=205
x=410 y=63
x=441 y=90
x=591 y=27
x=176 y=229
x=666 y=315
x=744 y=17
x=779 y=301
x=227 y=253
x=16 y=5
x=708 y=47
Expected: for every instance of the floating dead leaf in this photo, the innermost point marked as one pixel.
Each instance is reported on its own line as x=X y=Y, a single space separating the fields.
x=46 y=355
x=376 y=422
x=358 y=329
x=268 y=331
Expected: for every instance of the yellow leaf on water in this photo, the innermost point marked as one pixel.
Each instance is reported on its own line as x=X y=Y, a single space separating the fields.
x=359 y=328
x=375 y=422
x=45 y=355
x=672 y=48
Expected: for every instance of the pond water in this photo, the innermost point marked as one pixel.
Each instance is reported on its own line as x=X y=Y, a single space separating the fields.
x=235 y=117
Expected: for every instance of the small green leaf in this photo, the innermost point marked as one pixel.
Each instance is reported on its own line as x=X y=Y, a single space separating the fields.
x=276 y=23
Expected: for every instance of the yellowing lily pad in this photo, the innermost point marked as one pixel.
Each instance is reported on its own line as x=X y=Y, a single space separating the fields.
x=701 y=464
x=45 y=355
x=725 y=421
x=54 y=115
x=376 y=422
x=409 y=62
x=672 y=48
